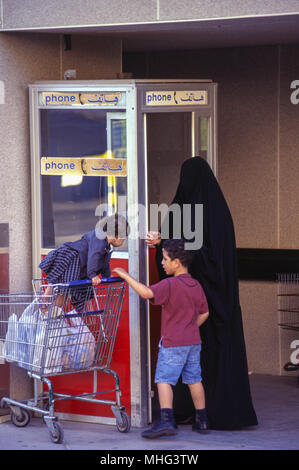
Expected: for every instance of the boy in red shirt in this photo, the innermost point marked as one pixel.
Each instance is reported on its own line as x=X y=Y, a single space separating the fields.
x=184 y=309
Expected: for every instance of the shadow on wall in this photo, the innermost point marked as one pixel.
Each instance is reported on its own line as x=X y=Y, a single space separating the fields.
x=266 y=264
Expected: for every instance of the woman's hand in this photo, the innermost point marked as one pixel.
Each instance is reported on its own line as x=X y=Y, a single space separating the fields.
x=96 y=281
x=153 y=238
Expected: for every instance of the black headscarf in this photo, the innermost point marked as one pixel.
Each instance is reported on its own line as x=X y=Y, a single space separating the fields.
x=223 y=358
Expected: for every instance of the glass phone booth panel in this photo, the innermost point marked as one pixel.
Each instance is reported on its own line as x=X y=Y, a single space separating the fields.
x=70 y=202
x=79 y=142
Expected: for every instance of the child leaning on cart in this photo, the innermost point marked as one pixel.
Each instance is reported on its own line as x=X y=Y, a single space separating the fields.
x=85 y=258
x=184 y=309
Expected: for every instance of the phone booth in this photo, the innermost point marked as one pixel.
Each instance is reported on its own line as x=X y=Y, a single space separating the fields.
x=98 y=147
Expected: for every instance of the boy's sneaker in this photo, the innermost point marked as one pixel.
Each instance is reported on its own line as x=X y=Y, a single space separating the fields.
x=165 y=427
x=159 y=430
x=201 y=422
x=201 y=427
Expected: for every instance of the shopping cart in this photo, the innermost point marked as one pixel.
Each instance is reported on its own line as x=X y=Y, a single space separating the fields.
x=288 y=308
x=288 y=294
x=42 y=333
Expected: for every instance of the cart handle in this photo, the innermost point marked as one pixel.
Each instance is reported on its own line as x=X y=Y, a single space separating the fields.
x=87 y=282
x=84 y=314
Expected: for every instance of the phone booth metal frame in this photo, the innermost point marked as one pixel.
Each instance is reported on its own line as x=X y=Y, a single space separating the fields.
x=135 y=105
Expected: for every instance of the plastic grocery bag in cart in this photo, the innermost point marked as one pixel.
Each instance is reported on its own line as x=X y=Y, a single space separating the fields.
x=20 y=335
x=79 y=348
x=48 y=345
x=9 y=347
x=22 y=338
x=68 y=342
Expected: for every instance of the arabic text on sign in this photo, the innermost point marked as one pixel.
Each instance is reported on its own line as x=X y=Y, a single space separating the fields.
x=84 y=166
x=176 y=98
x=91 y=99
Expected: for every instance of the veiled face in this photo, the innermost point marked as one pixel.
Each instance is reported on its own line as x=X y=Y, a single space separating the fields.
x=192 y=176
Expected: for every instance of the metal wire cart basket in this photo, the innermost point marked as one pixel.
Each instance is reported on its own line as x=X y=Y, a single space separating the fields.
x=288 y=295
x=289 y=301
x=42 y=333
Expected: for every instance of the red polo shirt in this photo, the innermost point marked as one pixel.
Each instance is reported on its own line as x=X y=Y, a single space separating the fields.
x=182 y=299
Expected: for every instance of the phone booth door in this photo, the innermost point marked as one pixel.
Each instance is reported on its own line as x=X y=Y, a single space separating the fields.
x=80 y=137
x=179 y=121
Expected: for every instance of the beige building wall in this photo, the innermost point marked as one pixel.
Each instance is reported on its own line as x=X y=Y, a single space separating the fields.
x=258 y=170
x=258 y=166
x=248 y=174
x=25 y=58
x=288 y=171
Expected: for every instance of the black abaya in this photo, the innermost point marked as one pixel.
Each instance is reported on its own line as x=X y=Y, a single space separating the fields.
x=223 y=359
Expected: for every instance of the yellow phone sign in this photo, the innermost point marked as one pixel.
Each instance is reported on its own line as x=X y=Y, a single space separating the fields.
x=83 y=99
x=90 y=166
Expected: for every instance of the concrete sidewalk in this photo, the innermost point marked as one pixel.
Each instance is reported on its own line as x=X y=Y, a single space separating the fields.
x=276 y=401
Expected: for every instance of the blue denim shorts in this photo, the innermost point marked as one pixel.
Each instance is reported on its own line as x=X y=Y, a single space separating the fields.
x=177 y=360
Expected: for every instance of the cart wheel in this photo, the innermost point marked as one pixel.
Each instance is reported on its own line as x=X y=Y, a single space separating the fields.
x=57 y=435
x=22 y=419
x=125 y=424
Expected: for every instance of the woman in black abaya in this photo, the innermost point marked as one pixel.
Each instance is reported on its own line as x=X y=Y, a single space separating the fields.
x=223 y=357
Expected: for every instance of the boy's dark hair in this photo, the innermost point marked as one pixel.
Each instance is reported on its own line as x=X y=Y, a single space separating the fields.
x=176 y=249
x=115 y=225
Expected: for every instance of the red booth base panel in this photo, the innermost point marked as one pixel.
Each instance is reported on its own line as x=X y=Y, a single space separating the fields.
x=78 y=383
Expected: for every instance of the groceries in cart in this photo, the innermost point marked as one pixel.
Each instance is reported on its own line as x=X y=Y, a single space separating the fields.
x=47 y=336
x=70 y=343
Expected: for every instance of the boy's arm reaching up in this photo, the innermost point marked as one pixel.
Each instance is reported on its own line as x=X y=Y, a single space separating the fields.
x=141 y=289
